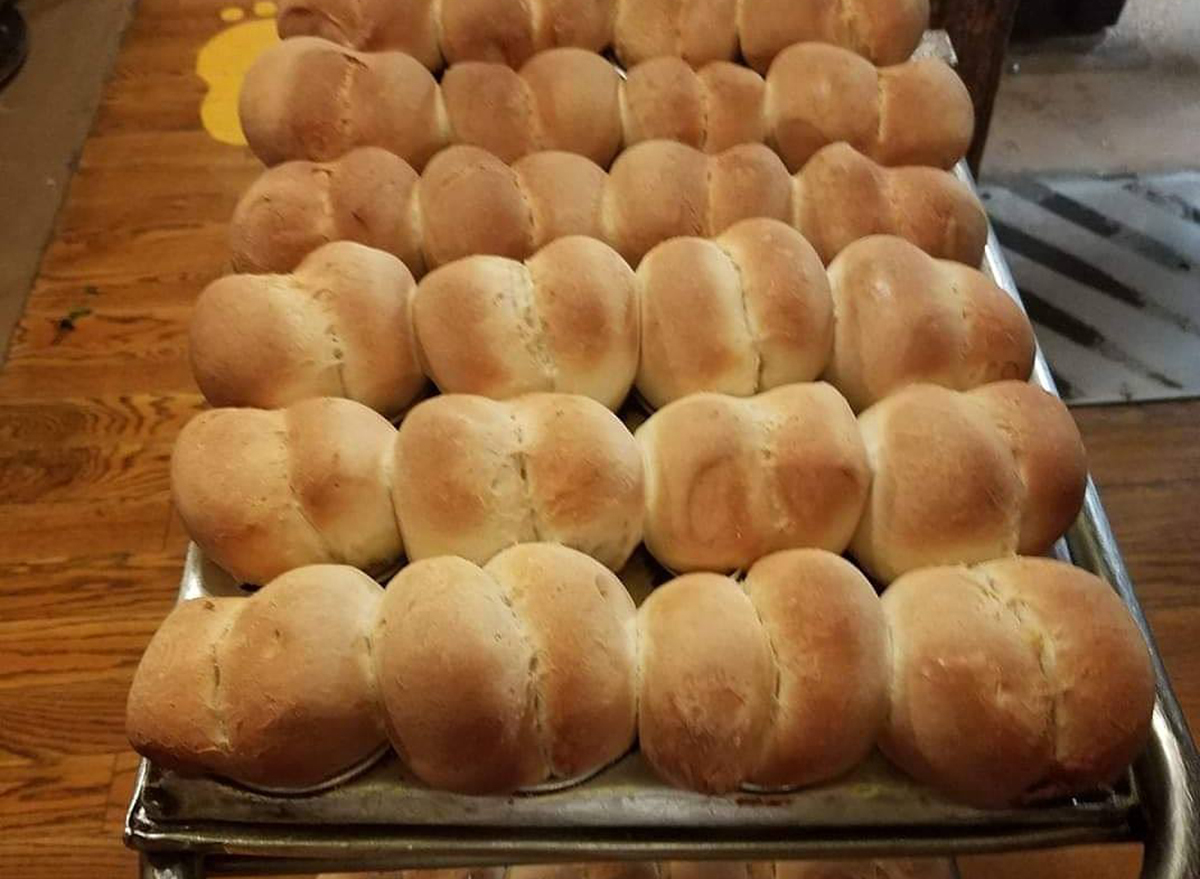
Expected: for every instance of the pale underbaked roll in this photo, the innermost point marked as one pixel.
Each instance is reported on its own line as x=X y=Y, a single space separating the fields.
x=840 y=196
x=338 y=326
x=961 y=477
x=780 y=682
x=730 y=479
x=565 y=320
x=510 y=675
x=1015 y=679
x=263 y=492
x=473 y=476
x=312 y=99
x=747 y=311
x=275 y=690
x=469 y=202
x=902 y=317
x=886 y=31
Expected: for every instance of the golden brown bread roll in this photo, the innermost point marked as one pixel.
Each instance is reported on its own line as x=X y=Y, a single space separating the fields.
x=264 y=492
x=366 y=196
x=961 y=477
x=902 y=317
x=886 y=31
x=819 y=94
x=707 y=682
x=469 y=202
x=747 y=311
x=1014 y=679
x=537 y=652
x=841 y=195
x=339 y=326
x=312 y=99
x=472 y=476
x=729 y=479
x=779 y=682
x=564 y=320
x=309 y=98
x=274 y=690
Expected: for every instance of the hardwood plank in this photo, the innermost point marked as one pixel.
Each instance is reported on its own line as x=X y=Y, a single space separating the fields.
x=74 y=649
x=67 y=855
x=77 y=474
x=39 y=532
x=44 y=723
x=73 y=422
x=1093 y=862
x=1118 y=448
x=115 y=585
x=100 y=255
x=64 y=797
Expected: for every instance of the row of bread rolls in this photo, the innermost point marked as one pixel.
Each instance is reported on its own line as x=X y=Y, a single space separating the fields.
x=328 y=480
x=469 y=202
x=447 y=31
x=709 y=482
x=742 y=313
x=927 y=476
x=983 y=683
x=832 y=869
x=312 y=99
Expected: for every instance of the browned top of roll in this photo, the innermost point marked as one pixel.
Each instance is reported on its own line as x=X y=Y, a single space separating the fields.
x=310 y=98
x=841 y=195
x=1098 y=665
x=1050 y=458
x=338 y=326
x=263 y=492
x=959 y=478
x=172 y=715
x=707 y=682
x=566 y=320
x=729 y=479
x=273 y=690
x=539 y=664
x=903 y=317
x=473 y=476
x=740 y=314
x=282 y=705
x=1017 y=678
x=830 y=645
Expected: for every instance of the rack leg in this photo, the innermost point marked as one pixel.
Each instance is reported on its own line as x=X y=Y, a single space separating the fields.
x=170 y=866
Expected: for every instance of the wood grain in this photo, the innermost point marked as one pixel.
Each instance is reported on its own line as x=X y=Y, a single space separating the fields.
x=90 y=547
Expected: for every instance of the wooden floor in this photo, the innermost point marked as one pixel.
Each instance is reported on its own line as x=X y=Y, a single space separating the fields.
x=90 y=549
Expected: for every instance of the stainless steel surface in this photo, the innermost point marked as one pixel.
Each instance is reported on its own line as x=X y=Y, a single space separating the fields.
x=381 y=820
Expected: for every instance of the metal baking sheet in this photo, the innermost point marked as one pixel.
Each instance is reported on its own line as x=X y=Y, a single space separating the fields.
x=624 y=811
x=383 y=819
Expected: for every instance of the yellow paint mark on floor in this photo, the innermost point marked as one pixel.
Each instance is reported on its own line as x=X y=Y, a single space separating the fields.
x=222 y=63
